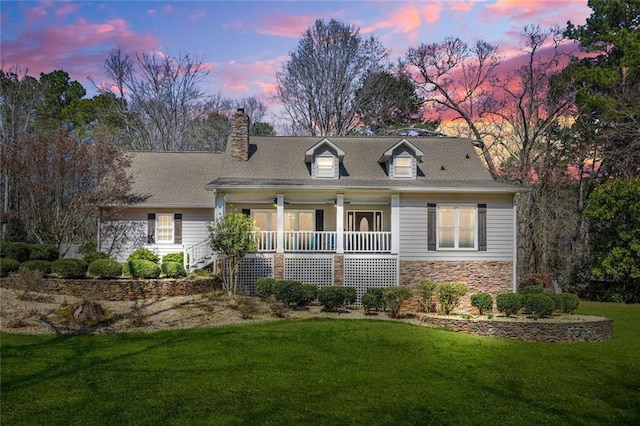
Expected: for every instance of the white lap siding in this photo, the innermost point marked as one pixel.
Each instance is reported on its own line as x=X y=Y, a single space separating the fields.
x=413 y=227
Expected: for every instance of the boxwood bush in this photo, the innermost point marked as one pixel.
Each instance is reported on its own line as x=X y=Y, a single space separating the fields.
x=289 y=292
x=333 y=297
x=8 y=265
x=264 y=287
x=95 y=255
x=509 y=303
x=310 y=293
x=173 y=269
x=174 y=257
x=482 y=301
x=531 y=289
x=449 y=295
x=16 y=251
x=69 y=268
x=43 y=266
x=539 y=305
x=373 y=299
x=43 y=252
x=105 y=268
x=144 y=254
x=566 y=303
x=393 y=298
x=141 y=268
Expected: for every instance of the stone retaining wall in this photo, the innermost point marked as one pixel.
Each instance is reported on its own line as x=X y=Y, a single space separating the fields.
x=121 y=289
x=582 y=329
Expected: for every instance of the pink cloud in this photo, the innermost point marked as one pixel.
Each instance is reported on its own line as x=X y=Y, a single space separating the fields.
x=168 y=9
x=543 y=12
x=198 y=15
x=279 y=24
x=431 y=12
x=35 y=14
x=405 y=19
x=66 y=10
x=243 y=79
x=151 y=12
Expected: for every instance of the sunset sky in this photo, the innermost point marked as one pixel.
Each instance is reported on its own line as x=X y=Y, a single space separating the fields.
x=244 y=43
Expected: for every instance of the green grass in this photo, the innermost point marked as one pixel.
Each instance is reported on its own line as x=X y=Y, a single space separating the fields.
x=322 y=372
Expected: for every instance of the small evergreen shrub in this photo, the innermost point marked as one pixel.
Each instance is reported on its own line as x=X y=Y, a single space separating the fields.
x=393 y=298
x=333 y=297
x=173 y=269
x=264 y=287
x=95 y=255
x=8 y=265
x=482 y=301
x=69 y=268
x=309 y=293
x=373 y=300
x=350 y=295
x=449 y=295
x=16 y=251
x=141 y=268
x=531 y=289
x=426 y=290
x=566 y=303
x=539 y=305
x=43 y=266
x=509 y=303
x=43 y=252
x=174 y=257
x=289 y=292
x=105 y=268
x=144 y=254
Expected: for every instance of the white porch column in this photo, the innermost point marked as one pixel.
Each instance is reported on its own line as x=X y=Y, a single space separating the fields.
x=340 y=223
x=280 y=223
x=395 y=223
x=219 y=206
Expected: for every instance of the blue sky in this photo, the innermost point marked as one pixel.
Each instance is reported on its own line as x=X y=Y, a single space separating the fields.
x=244 y=43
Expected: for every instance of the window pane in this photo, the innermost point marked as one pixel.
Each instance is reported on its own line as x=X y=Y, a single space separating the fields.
x=403 y=166
x=165 y=227
x=289 y=221
x=466 y=237
x=325 y=166
x=445 y=216
x=466 y=216
x=306 y=221
x=260 y=220
x=446 y=237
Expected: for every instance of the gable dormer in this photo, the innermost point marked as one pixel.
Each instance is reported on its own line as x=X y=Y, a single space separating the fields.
x=401 y=160
x=324 y=158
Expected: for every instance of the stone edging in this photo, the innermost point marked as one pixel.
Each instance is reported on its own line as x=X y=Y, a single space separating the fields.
x=581 y=329
x=115 y=290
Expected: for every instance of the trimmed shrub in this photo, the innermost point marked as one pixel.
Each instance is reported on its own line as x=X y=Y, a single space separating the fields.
x=289 y=292
x=393 y=298
x=174 y=257
x=531 y=289
x=8 y=265
x=509 y=303
x=566 y=303
x=43 y=266
x=426 y=290
x=539 y=305
x=43 y=252
x=141 y=268
x=95 y=255
x=309 y=293
x=333 y=297
x=105 y=268
x=69 y=268
x=144 y=254
x=482 y=301
x=173 y=269
x=373 y=299
x=449 y=295
x=264 y=287
x=16 y=251
x=350 y=295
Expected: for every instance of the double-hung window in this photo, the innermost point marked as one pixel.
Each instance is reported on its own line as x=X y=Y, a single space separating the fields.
x=457 y=227
x=325 y=167
x=402 y=167
x=164 y=228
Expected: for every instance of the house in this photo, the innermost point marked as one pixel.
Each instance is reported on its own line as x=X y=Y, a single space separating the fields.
x=356 y=211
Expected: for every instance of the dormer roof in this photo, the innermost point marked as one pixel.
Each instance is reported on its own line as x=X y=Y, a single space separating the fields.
x=417 y=153
x=308 y=156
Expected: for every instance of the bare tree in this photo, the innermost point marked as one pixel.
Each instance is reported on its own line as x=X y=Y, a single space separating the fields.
x=254 y=108
x=455 y=77
x=317 y=85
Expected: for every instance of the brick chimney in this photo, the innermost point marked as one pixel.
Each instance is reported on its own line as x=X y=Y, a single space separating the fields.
x=238 y=142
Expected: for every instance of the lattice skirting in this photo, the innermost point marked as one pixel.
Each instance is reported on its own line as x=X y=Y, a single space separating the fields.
x=363 y=272
x=252 y=268
x=316 y=269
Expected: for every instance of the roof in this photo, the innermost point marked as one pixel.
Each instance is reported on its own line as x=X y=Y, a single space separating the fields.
x=174 y=178
x=280 y=162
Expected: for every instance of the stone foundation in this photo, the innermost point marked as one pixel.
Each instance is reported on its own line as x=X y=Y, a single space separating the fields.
x=278 y=266
x=117 y=290
x=576 y=328
x=489 y=277
x=338 y=269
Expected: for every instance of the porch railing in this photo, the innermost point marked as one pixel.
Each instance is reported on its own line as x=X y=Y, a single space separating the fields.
x=198 y=255
x=325 y=241
x=367 y=242
x=266 y=240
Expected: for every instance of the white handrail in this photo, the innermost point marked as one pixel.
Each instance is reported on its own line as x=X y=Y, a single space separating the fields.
x=197 y=253
x=367 y=242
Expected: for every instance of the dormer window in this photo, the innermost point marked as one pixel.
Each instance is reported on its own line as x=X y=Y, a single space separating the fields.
x=402 y=167
x=325 y=167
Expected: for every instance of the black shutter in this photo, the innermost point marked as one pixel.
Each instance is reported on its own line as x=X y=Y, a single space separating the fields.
x=431 y=227
x=246 y=212
x=319 y=220
x=151 y=228
x=482 y=227
x=177 y=228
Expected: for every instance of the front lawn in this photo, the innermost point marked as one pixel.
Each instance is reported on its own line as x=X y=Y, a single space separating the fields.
x=322 y=372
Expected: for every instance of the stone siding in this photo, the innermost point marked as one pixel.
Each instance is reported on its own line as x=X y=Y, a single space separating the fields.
x=582 y=329
x=338 y=269
x=278 y=266
x=238 y=141
x=121 y=289
x=479 y=276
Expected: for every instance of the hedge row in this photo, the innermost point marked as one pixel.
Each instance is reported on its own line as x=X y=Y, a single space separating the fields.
x=537 y=304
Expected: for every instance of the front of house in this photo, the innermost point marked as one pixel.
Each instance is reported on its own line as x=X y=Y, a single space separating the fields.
x=361 y=212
